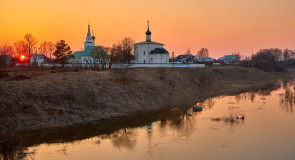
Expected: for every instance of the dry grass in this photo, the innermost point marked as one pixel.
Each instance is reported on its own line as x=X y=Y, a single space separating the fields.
x=61 y=99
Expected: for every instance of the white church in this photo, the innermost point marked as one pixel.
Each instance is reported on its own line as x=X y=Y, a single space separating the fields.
x=85 y=57
x=149 y=51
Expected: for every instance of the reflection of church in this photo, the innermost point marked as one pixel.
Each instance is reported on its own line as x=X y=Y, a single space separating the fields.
x=86 y=55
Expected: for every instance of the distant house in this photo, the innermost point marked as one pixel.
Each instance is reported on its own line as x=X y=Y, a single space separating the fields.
x=207 y=59
x=186 y=58
x=37 y=59
x=5 y=59
x=230 y=59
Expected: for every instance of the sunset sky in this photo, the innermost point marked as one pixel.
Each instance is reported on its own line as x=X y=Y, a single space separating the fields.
x=223 y=27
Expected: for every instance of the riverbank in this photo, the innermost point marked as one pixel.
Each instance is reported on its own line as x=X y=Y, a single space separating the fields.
x=65 y=99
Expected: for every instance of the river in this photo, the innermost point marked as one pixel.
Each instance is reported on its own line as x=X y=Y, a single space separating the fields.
x=254 y=125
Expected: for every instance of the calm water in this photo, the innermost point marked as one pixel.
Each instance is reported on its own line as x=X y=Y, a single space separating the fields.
x=267 y=132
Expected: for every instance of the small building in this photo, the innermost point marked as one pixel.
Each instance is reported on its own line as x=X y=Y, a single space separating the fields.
x=37 y=59
x=186 y=58
x=149 y=51
x=207 y=59
x=5 y=59
x=230 y=59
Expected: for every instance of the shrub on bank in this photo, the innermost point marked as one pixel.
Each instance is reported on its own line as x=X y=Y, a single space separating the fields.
x=266 y=60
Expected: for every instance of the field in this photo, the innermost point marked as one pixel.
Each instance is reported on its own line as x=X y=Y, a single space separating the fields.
x=50 y=99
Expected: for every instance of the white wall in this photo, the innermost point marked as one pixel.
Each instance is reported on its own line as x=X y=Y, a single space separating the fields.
x=141 y=52
x=159 y=58
x=37 y=59
x=168 y=65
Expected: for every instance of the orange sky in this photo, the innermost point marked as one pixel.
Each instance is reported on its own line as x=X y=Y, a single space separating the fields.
x=222 y=26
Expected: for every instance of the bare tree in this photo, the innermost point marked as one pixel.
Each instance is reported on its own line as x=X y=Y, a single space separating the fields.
x=121 y=54
x=188 y=52
x=31 y=42
x=288 y=55
x=45 y=47
x=127 y=48
x=113 y=53
x=6 y=53
x=203 y=53
x=122 y=71
x=173 y=57
x=21 y=48
x=237 y=59
x=51 y=47
x=116 y=54
x=100 y=58
x=266 y=59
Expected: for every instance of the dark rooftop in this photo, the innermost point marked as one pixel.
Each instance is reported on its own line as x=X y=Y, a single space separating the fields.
x=159 y=51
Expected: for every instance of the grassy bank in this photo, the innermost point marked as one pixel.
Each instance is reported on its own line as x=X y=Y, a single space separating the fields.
x=64 y=99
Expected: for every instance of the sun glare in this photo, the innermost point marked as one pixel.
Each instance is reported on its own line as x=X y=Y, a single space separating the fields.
x=22 y=57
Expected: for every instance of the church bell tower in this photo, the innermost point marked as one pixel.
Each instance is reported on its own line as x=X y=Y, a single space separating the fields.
x=148 y=33
x=88 y=42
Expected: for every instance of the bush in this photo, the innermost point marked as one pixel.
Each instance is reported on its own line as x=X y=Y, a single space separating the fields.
x=266 y=60
x=281 y=67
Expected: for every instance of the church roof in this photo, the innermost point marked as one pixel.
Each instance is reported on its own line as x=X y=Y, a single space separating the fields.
x=86 y=52
x=148 y=32
x=159 y=51
x=149 y=42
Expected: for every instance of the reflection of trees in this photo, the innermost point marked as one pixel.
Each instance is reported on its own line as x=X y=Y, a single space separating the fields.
x=16 y=154
x=252 y=96
x=13 y=148
x=149 y=129
x=287 y=84
x=123 y=138
x=246 y=96
x=264 y=91
x=207 y=104
x=287 y=100
x=177 y=120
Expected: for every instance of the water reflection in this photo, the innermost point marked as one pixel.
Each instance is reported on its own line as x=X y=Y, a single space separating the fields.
x=122 y=133
x=123 y=138
x=180 y=122
x=63 y=150
x=207 y=104
x=15 y=148
x=264 y=91
x=234 y=119
x=287 y=100
x=246 y=96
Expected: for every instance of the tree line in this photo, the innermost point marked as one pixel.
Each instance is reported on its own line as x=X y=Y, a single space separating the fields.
x=22 y=50
x=273 y=59
x=121 y=51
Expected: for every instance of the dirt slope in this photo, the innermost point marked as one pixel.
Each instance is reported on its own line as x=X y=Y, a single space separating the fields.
x=65 y=99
